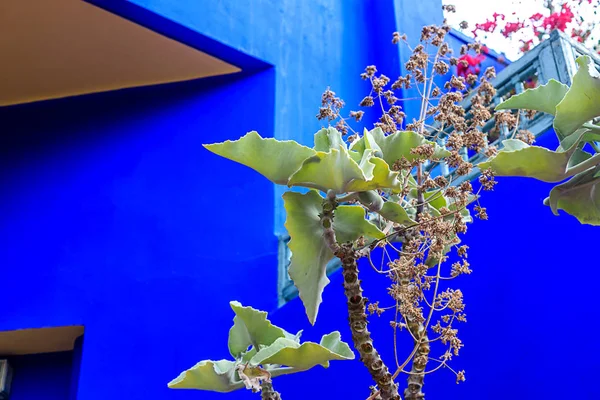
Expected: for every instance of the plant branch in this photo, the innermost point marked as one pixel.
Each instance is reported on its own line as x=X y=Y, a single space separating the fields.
x=267 y=391
x=361 y=336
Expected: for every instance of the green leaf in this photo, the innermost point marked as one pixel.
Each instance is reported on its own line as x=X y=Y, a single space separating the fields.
x=542 y=98
x=306 y=355
x=519 y=159
x=581 y=135
x=349 y=224
x=464 y=212
x=377 y=175
x=324 y=171
x=579 y=197
x=367 y=142
x=310 y=253
x=276 y=160
x=217 y=376
x=435 y=199
x=367 y=166
x=251 y=327
x=394 y=212
x=327 y=139
x=578 y=156
x=582 y=101
x=400 y=144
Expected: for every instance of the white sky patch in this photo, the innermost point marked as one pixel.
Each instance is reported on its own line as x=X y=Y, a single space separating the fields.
x=478 y=11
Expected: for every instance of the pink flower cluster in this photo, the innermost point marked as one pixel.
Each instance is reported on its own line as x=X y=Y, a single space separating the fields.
x=557 y=18
x=469 y=64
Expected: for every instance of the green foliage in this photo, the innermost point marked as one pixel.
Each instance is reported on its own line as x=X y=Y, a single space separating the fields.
x=358 y=172
x=579 y=197
x=520 y=159
x=580 y=103
x=306 y=355
x=262 y=351
x=251 y=328
x=282 y=158
x=310 y=252
x=543 y=98
x=333 y=170
x=574 y=109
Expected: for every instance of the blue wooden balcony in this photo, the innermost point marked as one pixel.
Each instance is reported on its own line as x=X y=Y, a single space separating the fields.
x=552 y=59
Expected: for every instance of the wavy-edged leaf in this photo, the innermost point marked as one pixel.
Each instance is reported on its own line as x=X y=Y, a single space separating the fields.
x=400 y=144
x=582 y=101
x=579 y=197
x=578 y=157
x=324 y=171
x=367 y=166
x=306 y=355
x=276 y=160
x=377 y=175
x=396 y=213
x=216 y=376
x=581 y=135
x=310 y=253
x=251 y=327
x=327 y=139
x=349 y=224
x=542 y=98
x=367 y=142
x=519 y=159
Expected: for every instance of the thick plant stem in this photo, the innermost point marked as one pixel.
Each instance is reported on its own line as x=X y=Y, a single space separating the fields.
x=361 y=336
x=414 y=391
x=268 y=393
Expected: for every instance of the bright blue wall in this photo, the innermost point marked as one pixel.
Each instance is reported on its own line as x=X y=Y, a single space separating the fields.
x=116 y=218
x=311 y=44
x=51 y=374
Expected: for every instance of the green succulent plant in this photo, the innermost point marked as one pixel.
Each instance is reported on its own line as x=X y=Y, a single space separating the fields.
x=360 y=171
x=574 y=109
x=261 y=351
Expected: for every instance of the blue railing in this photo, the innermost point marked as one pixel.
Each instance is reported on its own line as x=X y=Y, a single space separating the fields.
x=552 y=59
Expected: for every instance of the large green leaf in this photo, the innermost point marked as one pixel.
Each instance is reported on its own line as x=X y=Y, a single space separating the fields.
x=519 y=159
x=542 y=98
x=251 y=327
x=310 y=253
x=328 y=171
x=367 y=142
x=306 y=355
x=400 y=144
x=377 y=175
x=582 y=101
x=327 y=139
x=396 y=213
x=581 y=135
x=217 y=376
x=350 y=223
x=580 y=197
x=276 y=160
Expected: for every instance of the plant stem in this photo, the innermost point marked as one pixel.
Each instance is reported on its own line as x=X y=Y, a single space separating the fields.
x=268 y=393
x=416 y=378
x=361 y=336
x=357 y=317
